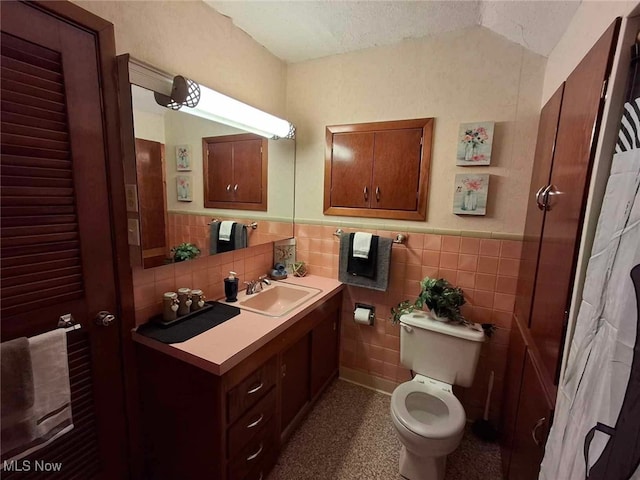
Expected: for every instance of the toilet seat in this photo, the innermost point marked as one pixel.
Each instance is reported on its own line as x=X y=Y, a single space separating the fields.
x=428 y=410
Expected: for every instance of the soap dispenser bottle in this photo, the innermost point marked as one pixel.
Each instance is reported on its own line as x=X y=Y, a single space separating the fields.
x=231 y=287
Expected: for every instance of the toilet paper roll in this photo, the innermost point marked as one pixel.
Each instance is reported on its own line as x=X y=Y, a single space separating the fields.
x=361 y=315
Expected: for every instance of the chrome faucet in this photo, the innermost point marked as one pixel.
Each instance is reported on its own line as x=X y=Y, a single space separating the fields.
x=255 y=286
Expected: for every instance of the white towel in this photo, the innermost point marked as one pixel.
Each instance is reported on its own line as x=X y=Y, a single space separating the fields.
x=51 y=415
x=361 y=245
x=225 y=231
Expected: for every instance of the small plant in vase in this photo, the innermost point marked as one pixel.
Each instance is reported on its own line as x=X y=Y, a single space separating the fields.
x=184 y=251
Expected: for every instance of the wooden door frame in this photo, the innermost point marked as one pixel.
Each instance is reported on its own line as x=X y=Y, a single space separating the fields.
x=107 y=71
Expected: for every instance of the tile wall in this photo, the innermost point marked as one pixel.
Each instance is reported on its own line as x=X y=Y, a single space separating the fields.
x=486 y=269
x=195 y=229
x=206 y=273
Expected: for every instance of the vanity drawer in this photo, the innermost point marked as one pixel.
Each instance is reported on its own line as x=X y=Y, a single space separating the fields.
x=256 y=455
x=250 y=390
x=250 y=424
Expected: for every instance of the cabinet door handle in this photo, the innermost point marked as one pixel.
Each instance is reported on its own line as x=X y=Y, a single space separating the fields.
x=229 y=188
x=235 y=188
x=255 y=389
x=538 y=424
x=538 y=202
x=257 y=422
x=545 y=198
x=366 y=193
x=378 y=194
x=254 y=455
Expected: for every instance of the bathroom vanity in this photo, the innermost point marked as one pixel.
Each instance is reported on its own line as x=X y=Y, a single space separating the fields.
x=221 y=404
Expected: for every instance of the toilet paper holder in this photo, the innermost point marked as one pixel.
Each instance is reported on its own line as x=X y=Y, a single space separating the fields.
x=371 y=308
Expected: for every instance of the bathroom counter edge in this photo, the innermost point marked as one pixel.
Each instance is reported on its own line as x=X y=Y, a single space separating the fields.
x=221 y=348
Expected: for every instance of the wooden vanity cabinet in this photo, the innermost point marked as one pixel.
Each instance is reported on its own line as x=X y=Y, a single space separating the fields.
x=200 y=425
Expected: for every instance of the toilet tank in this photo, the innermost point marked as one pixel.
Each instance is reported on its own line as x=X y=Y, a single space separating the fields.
x=444 y=351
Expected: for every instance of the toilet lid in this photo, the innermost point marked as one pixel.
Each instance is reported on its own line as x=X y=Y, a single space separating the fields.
x=428 y=410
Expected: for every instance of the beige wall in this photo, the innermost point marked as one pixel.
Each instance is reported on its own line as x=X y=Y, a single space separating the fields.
x=148 y=126
x=588 y=24
x=190 y=38
x=469 y=75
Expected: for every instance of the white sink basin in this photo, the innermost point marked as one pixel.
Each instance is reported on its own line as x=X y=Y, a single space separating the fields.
x=276 y=300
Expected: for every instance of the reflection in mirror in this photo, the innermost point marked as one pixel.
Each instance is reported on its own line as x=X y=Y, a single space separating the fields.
x=169 y=167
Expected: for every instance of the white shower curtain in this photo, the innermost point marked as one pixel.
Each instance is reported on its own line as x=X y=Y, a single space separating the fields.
x=600 y=390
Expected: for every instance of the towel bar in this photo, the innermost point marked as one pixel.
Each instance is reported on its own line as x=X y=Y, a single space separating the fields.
x=67 y=322
x=252 y=225
x=400 y=238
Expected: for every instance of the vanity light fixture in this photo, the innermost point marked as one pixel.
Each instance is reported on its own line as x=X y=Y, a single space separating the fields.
x=207 y=103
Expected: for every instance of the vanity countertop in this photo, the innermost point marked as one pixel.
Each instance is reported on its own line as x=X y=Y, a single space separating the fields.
x=221 y=348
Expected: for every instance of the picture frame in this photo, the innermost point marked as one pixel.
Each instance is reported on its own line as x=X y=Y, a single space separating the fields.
x=183 y=158
x=184 y=188
x=471 y=194
x=475 y=142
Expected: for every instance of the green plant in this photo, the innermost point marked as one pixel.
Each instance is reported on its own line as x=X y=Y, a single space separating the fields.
x=442 y=298
x=185 y=251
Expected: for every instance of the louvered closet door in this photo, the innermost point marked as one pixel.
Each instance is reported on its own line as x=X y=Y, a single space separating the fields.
x=56 y=250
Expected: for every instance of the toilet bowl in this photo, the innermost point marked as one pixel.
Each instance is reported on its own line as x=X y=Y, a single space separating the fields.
x=430 y=423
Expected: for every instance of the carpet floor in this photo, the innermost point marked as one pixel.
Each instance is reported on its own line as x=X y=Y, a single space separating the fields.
x=349 y=435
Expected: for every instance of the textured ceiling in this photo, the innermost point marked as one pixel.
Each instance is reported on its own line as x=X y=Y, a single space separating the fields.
x=302 y=30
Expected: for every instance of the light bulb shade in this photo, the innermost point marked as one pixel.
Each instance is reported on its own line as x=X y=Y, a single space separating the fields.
x=220 y=108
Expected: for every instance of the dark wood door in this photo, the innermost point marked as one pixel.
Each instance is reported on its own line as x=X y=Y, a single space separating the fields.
x=351 y=169
x=56 y=238
x=295 y=381
x=219 y=172
x=247 y=171
x=575 y=147
x=152 y=203
x=396 y=169
x=541 y=176
x=532 y=425
x=324 y=352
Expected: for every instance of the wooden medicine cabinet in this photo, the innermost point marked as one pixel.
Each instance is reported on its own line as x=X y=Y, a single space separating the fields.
x=378 y=169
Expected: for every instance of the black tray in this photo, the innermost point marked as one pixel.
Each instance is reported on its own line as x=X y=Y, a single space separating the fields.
x=159 y=319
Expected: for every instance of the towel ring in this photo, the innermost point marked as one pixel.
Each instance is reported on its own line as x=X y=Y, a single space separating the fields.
x=400 y=238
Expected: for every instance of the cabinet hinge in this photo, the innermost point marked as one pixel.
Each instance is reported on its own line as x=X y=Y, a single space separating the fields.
x=603 y=93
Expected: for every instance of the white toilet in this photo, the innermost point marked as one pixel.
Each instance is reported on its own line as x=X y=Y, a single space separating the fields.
x=427 y=415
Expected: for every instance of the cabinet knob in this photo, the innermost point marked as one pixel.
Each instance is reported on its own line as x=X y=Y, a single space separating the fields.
x=283 y=370
x=366 y=193
x=538 y=424
x=378 y=194
x=229 y=188
x=235 y=188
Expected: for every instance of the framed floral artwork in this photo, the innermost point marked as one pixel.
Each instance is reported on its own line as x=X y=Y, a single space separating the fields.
x=183 y=186
x=183 y=158
x=470 y=196
x=474 y=144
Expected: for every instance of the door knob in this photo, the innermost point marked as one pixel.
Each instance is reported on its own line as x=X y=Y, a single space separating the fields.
x=104 y=318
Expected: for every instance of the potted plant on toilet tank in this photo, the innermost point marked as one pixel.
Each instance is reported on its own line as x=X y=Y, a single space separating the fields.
x=441 y=298
x=443 y=301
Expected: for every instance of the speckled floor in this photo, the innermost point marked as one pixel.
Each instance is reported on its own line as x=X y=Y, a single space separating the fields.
x=349 y=435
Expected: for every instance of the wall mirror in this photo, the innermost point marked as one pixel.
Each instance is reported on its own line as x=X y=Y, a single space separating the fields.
x=168 y=163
